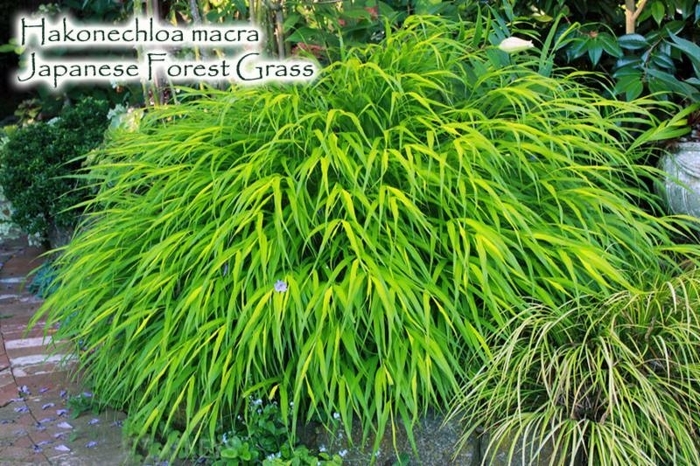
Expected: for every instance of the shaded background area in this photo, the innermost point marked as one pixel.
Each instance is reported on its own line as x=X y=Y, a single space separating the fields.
x=9 y=96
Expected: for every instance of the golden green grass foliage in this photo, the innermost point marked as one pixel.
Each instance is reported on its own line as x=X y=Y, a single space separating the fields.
x=346 y=245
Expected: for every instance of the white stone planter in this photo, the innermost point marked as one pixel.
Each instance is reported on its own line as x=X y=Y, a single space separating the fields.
x=682 y=186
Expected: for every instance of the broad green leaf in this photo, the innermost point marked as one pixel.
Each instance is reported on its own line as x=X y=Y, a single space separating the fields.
x=658 y=11
x=660 y=81
x=625 y=64
x=595 y=50
x=630 y=85
x=632 y=41
x=610 y=44
x=661 y=60
x=578 y=48
x=690 y=49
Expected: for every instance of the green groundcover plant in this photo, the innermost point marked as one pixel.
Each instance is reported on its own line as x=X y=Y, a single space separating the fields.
x=344 y=246
x=608 y=384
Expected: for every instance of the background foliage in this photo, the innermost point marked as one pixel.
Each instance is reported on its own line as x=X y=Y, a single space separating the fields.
x=345 y=246
x=658 y=54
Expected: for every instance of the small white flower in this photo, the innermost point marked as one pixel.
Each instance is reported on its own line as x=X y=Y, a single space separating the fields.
x=336 y=416
x=322 y=448
x=257 y=402
x=515 y=44
x=342 y=453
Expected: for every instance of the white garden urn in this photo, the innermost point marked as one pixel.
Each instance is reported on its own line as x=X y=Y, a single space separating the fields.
x=682 y=185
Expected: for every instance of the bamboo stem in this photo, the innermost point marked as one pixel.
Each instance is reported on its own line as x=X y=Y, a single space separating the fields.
x=194 y=11
x=632 y=12
x=276 y=7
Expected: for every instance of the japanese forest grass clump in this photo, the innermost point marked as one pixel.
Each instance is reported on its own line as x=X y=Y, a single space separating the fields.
x=345 y=246
x=607 y=383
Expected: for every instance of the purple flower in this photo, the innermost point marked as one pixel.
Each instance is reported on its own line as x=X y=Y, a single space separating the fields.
x=64 y=425
x=87 y=394
x=92 y=422
x=61 y=447
x=61 y=412
x=43 y=390
x=37 y=449
x=24 y=390
x=280 y=286
x=91 y=444
x=47 y=406
x=63 y=393
x=22 y=409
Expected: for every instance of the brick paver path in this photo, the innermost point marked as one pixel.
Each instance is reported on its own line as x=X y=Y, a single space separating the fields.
x=36 y=424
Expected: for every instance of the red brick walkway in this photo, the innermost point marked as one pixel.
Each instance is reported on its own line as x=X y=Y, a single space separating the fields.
x=36 y=423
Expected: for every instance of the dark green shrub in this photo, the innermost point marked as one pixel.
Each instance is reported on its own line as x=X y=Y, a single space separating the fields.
x=38 y=164
x=346 y=245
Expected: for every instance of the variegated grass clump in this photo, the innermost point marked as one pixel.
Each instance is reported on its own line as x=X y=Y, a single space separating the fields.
x=344 y=246
x=616 y=383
